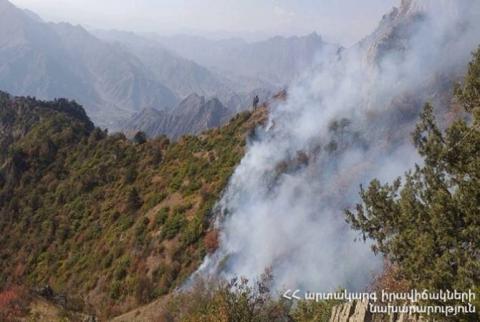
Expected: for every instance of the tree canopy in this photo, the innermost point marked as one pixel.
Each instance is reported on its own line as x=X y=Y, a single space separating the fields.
x=428 y=223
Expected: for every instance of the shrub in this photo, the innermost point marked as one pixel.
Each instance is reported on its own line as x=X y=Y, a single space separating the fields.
x=144 y=290
x=134 y=202
x=172 y=226
x=116 y=290
x=211 y=241
x=130 y=175
x=140 y=138
x=219 y=300
x=154 y=199
x=13 y=303
x=193 y=231
x=121 y=269
x=162 y=216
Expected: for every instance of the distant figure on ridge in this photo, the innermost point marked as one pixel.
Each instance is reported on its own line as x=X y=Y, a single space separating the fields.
x=256 y=100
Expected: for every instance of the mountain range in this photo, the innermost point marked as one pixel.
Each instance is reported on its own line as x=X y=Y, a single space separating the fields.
x=276 y=61
x=116 y=74
x=60 y=60
x=96 y=223
x=192 y=115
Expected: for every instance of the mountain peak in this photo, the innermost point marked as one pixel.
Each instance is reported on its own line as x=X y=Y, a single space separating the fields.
x=412 y=7
x=32 y=15
x=149 y=111
x=193 y=99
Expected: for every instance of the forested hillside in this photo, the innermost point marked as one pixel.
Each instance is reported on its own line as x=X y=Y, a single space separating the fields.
x=108 y=222
x=426 y=226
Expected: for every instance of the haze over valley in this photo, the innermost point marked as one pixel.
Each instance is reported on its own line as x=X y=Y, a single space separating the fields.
x=210 y=160
x=116 y=75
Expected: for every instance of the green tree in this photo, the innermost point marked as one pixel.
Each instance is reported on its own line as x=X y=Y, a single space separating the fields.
x=140 y=137
x=144 y=290
x=468 y=94
x=430 y=225
x=134 y=202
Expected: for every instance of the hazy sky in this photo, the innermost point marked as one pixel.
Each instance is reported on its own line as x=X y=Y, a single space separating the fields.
x=343 y=21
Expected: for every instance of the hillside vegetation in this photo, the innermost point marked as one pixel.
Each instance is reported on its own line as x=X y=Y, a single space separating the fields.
x=108 y=222
x=428 y=229
x=113 y=224
x=427 y=223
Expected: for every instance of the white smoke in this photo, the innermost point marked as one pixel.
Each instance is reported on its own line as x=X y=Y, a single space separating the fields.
x=283 y=208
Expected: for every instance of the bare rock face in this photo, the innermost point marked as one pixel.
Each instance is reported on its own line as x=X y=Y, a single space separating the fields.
x=358 y=311
x=342 y=312
x=192 y=116
x=421 y=21
x=411 y=7
x=361 y=312
x=351 y=312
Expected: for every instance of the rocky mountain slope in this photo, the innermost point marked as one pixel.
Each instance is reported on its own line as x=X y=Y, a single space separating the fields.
x=275 y=61
x=116 y=74
x=183 y=76
x=60 y=60
x=192 y=116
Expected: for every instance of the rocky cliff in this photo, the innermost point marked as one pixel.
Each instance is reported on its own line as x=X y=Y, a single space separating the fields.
x=357 y=311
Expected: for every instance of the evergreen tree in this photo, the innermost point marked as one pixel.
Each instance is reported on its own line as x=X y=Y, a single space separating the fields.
x=140 y=138
x=430 y=225
x=134 y=202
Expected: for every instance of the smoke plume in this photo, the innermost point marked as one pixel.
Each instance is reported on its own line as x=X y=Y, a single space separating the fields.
x=346 y=122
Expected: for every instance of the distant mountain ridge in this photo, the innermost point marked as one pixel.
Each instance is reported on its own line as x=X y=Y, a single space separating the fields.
x=59 y=60
x=192 y=116
x=277 y=60
x=183 y=76
x=118 y=74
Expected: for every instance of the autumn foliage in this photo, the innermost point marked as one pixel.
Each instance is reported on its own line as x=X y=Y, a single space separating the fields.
x=211 y=241
x=13 y=303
